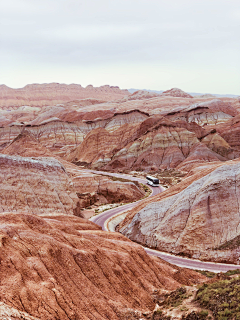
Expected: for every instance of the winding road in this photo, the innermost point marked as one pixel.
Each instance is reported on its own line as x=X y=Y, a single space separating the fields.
x=179 y=261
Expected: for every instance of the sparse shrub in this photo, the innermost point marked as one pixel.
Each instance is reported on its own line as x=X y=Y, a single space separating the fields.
x=158 y=311
x=232 y=272
x=207 y=274
x=184 y=308
x=205 y=299
x=175 y=298
x=176 y=304
x=221 y=297
x=227 y=312
x=224 y=305
x=203 y=313
x=238 y=316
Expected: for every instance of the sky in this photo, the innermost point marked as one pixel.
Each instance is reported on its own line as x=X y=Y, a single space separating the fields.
x=145 y=44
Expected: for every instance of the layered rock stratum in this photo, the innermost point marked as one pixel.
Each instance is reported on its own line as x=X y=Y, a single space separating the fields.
x=175 y=92
x=53 y=93
x=36 y=186
x=57 y=265
x=28 y=161
x=138 y=132
x=200 y=217
x=65 y=267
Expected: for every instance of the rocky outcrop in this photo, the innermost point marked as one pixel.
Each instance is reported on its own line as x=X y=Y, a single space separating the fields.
x=199 y=218
x=175 y=92
x=64 y=267
x=72 y=101
x=206 y=95
x=130 y=140
x=54 y=135
x=54 y=93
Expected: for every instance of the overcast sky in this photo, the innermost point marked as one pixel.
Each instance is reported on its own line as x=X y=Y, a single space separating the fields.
x=153 y=44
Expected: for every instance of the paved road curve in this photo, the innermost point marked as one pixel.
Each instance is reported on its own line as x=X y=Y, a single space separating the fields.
x=179 y=261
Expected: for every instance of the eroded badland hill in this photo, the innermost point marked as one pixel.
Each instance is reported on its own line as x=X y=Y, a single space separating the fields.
x=56 y=264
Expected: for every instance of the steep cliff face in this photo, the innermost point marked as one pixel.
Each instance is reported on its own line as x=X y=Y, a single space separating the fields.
x=200 y=154
x=199 y=218
x=66 y=268
x=26 y=145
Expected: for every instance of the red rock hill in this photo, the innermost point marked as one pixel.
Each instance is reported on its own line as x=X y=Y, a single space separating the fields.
x=64 y=267
x=175 y=92
x=53 y=93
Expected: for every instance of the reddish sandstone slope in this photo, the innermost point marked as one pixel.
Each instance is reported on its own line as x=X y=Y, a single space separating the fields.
x=204 y=113
x=200 y=217
x=65 y=133
x=89 y=188
x=64 y=267
x=26 y=145
x=100 y=145
x=54 y=93
x=175 y=92
x=35 y=186
x=164 y=145
x=128 y=134
x=183 y=137
x=156 y=143
x=159 y=104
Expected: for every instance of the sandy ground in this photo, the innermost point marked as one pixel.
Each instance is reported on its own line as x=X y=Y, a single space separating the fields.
x=88 y=213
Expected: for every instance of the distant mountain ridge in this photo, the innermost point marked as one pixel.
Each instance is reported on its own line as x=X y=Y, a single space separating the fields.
x=56 y=93
x=191 y=93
